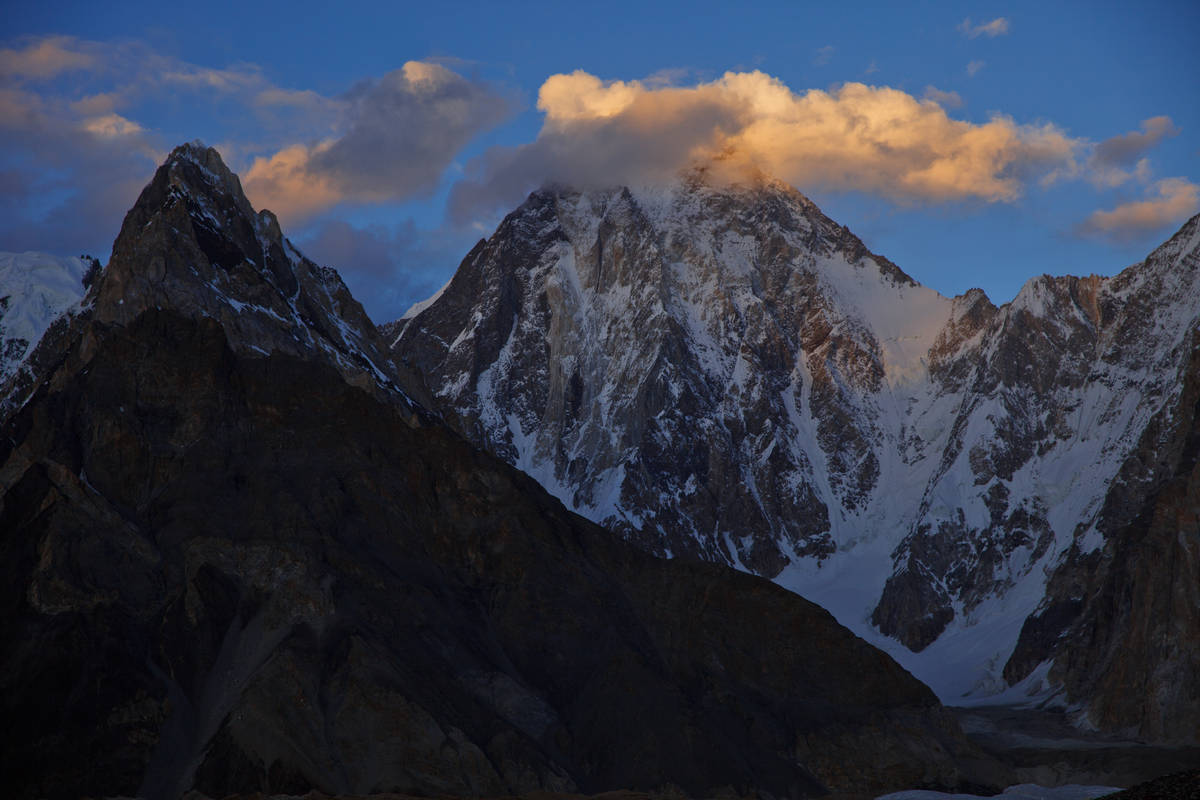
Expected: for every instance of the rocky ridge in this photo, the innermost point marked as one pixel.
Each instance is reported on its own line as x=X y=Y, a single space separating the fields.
x=722 y=372
x=239 y=556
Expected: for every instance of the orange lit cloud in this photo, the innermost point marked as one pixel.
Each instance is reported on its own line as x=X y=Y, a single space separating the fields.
x=285 y=184
x=1178 y=198
x=855 y=137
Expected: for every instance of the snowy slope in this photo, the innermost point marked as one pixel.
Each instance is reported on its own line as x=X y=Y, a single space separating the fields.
x=35 y=288
x=725 y=373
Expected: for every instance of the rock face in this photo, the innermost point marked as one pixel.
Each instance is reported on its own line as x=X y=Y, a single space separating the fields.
x=723 y=373
x=1121 y=624
x=238 y=556
x=676 y=365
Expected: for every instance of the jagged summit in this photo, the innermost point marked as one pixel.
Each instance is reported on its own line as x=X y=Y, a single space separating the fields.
x=193 y=245
x=588 y=337
x=219 y=178
x=192 y=242
x=701 y=196
x=211 y=164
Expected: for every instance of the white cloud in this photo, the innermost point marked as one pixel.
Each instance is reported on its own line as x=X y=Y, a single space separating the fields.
x=111 y=126
x=974 y=66
x=997 y=27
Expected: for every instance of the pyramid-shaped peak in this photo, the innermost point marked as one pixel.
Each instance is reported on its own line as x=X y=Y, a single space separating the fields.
x=198 y=171
x=197 y=152
x=702 y=202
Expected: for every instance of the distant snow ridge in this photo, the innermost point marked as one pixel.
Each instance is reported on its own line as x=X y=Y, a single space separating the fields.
x=35 y=289
x=726 y=373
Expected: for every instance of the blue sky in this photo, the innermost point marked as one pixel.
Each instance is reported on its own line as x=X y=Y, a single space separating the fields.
x=974 y=144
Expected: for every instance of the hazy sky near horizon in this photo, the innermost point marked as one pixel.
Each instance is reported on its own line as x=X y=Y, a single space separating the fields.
x=974 y=144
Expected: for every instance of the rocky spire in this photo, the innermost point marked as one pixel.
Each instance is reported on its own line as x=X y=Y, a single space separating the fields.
x=193 y=243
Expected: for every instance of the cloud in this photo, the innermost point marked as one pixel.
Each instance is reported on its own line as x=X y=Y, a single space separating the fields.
x=398 y=135
x=285 y=184
x=973 y=67
x=856 y=137
x=78 y=153
x=134 y=67
x=823 y=54
x=943 y=99
x=76 y=156
x=41 y=59
x=1177 y=199
x=1127 y=148
x=111 y=126
x=115 y=76
x=1120 y=158
x=76 y=175
x=997 y=27
x=274 y=97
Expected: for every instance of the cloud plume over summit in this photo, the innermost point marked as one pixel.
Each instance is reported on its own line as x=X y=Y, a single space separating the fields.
x=852 y=138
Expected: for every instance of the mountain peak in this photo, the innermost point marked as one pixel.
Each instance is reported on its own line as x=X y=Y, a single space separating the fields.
x=650 y=306
x=193 y=244
x=701 y=202
x=197 y=152
x=716 y=369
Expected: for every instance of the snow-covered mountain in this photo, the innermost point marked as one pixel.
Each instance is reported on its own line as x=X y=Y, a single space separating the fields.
x=725 y=373
x=35 y=289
